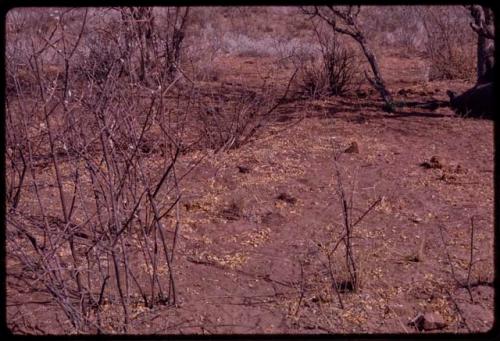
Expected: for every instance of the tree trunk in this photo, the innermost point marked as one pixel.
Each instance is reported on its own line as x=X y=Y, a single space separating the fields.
x=484 y=26
x=348 y=18
x=174 y=41
x=378 y=82
x=485 y=59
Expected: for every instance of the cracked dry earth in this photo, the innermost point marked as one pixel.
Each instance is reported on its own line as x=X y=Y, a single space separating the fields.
x=258 y=221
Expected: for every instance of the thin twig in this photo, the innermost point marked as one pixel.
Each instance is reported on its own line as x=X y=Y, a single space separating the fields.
x=471 y=259
x=457 y=308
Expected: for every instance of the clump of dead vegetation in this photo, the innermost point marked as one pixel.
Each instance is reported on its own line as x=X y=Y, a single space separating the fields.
x=345 y=275
x=231 y=116
x=92 y=220
x=99 y=114
x=449 y=47
x=334 y=73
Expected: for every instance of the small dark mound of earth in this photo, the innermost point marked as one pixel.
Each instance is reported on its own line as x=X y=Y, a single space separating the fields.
x=287 y=198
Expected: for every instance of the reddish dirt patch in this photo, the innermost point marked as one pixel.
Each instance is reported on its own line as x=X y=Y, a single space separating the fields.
x=246 y=269
x=251 y=250
x=258 y=221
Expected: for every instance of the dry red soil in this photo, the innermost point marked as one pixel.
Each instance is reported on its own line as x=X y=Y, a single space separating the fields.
x=258 y=221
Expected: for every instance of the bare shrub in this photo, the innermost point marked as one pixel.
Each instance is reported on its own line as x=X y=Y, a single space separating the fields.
x=396 y=27
x=345 y=274
x=203 y=44
x=90 y=219
x=230 y=118
x=451 y=63
x=451 y=43
x=335 y=73
x=147 y=41
x=101 y=57
x=345 y=20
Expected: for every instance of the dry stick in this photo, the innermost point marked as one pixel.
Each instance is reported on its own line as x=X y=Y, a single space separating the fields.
x=334 y=282
x=351 y=199
x=343 y=236
x=120 y=291
x=347 y=218
x=76 y=183
x=128 y=161
x=458 y=310
x=99 y=302
x=159 y=228
x=51 y=138
x=17 y=195
x=177 y=214
x=57 y=171
x=117 y=237
x=157 y=219
x=94 y=231
x=153 y=259
x=177 y=181
x=454 y=277
x=67 y=57
x=144 y=249
x=89 y=272
x=268 y=112
x=372 y=206
x=144 y=297
x=470 y=259
x=46 y=262
x=166 y=173
x=350 y=262
x=149 y=260
x=61 y=298
x=121 y=187
x=95 y=190
x=448 y=255
x=126 y=267
x=131 y=215
x=114 y=225
x=177 y=227
x=302 y=289
x=154 y=277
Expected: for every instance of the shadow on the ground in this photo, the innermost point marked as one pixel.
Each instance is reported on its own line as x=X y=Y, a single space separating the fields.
x=332 y=107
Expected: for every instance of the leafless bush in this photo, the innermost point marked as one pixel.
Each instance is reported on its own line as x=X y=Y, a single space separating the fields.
x=335 y=73
x=465 y=281
x=451 y=46
x=345 y=20
x=230 y=118
x=20 y=35
x=153 y=41
x=90 y=214
x=103 y=56
x=394 y=27
x=146 y=41
x=345 y=275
